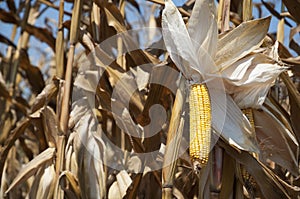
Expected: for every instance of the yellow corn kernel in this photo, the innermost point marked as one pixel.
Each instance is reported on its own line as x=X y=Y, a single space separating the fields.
x=200 y=125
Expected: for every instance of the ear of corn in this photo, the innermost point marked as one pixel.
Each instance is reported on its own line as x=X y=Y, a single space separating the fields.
x=200 y=125
x=248 y=179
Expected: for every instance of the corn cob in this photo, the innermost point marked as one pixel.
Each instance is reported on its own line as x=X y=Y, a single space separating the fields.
x=200 y=125
x=249 y=181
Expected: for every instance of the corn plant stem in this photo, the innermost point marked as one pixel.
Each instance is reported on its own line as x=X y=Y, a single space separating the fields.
x=67 y=89
x=280 y=27
x=75 y=22
x=174 y=137
x=247 y=10
x=23 y=40
x=60 y=156
x=59 y=45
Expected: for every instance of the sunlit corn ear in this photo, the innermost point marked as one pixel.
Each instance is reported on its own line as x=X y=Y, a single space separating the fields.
x=200 y=125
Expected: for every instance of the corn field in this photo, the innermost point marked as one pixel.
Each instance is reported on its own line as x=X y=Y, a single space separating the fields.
x=149 y=99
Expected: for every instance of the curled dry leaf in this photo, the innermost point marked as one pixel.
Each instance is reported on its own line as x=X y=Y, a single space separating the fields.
x=9 y=142
x=294 y=8
x=31 y=168
x=241 y=41
x=45 y=96
x=276 y=142
x=5 y=40
x=44 y=183
x=119 y=188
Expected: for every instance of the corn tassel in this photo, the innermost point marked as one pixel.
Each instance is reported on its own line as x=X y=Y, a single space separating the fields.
x=200 y=125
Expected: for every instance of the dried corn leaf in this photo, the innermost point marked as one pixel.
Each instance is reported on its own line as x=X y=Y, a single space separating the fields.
x=49 y=91
x=42 y=34
x=271 y=186
x=50 y=124
x=44 y=183
x=7 y=41
x=119 y=188
x=11 y=5
x=295 y=103
x=275 y=141
x=8 y=17
x=30 y=168
x=271 y=8
x=241 y=41
x=294 y=45
x=8 y=119
x=294 y=8
x=88 y=145
x=3 y=89
x=14 y=135
x=33 y=73
x=279 y=112
x=72 y=179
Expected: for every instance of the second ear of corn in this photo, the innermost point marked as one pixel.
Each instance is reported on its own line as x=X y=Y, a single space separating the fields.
x=200 y=124
x=248 y=179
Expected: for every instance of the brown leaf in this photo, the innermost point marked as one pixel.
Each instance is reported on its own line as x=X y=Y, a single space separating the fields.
x=72 y=179
x=241 y=41
x=11 y=5
x=274 y=142
x=43 y=34
x=7 y=41
x=271 y=187
x=49 y=91
x=294 y=97
x=33 y=73
x=8 y=120
x=8 y=17
x=15 y=133
x=30 y=168
x=50 y=124
x=294 y=45
x=44 y=183
x=270 y=7
x=294 y=8
x=3 y=90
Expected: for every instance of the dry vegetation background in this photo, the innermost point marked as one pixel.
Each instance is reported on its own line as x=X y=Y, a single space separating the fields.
x=51 y=142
